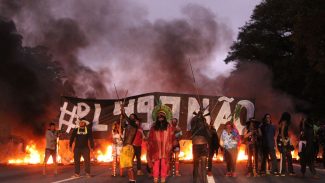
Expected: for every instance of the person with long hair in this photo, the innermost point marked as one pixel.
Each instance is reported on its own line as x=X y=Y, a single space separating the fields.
x=200 y=139
x=117 y=135
x=127 y=152
x=284 y=145
x=230 y=139
x=251 y=135
x=51 y=147
x=306 y=146
x=137 y=145
x=213 y=146
x=176 y=147
x=268 y=145
x=160 y=146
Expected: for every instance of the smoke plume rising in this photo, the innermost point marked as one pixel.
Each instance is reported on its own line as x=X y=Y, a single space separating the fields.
x=103 y=42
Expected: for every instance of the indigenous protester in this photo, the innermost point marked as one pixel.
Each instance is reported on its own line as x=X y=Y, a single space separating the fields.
x=51 y=147
x=80 y=137
x=176 y=146
x=137 y=144
x=284 y=145
x=160 y=141
x=200 y=140
x=127 y=153
x=117 y=133
x=268 y=145
x=213 y=146
x=306 y=146
x=251 y=135
x=230 y=139
x=321 y=134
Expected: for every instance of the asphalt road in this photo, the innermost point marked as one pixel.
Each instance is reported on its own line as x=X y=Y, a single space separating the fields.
x=102 y=173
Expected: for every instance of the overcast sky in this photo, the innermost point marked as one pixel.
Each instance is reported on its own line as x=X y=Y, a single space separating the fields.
x=233 y=12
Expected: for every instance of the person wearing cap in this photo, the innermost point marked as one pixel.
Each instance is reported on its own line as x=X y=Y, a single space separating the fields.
x=230 y=141
x=200 y=139
x=251 y=135
x=160 y=144
x=51 y=147
x=80 y=137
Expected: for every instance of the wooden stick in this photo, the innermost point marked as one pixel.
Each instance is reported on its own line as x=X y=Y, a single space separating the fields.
x=195 y=84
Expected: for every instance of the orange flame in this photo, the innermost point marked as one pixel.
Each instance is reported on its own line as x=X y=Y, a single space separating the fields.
x=33 y=155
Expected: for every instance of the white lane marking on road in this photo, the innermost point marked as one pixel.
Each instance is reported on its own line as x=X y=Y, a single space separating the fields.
x=211 y=179
x=68 y=179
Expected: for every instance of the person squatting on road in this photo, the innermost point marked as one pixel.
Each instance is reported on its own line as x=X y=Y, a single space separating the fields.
x=80 y=137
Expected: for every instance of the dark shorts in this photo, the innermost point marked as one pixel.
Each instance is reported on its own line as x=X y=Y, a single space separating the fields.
x=48 y=153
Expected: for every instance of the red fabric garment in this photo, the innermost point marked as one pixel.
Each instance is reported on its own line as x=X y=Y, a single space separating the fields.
x=138 y=137
x=160 y=143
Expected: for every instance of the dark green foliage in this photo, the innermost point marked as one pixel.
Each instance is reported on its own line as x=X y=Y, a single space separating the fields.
x=289 y=37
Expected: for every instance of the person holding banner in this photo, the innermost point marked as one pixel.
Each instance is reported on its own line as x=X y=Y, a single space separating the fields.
x=51 y=144
x=160 y=142
x=127 y=153
x=80 y=137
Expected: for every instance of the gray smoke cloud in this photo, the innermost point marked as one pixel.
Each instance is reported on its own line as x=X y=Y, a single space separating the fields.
x=103 y=42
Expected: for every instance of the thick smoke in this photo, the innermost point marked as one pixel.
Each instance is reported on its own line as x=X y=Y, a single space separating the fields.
x=104 y=42
x=108 y=36
x=254 y=81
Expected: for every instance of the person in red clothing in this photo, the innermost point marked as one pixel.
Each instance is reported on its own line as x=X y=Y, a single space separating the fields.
x=137 y=143
x=160 y=141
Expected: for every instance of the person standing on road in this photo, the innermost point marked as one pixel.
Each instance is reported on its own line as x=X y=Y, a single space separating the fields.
x=80 y=137
x=230 y=141
x=213 y=146
x=268 y=145
x=284 y=145
x=306 y=146
x=51 y=147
